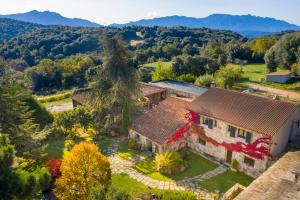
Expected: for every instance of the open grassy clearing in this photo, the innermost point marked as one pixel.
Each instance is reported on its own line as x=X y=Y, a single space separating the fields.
x=196 y=165
x=256 y=73
x=225 y=181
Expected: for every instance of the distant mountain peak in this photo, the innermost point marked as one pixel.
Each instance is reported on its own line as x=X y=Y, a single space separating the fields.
x=247 y=25
x=49 y=18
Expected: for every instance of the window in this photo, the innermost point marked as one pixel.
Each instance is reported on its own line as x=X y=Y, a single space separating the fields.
x=249 y=161
x=231 y=130
x=241 y=133
x=248 y=137
x=204 y=120
x=203 y=142
x=216 y=123
x=210 y=123
x=198 y=119
x=137 y=137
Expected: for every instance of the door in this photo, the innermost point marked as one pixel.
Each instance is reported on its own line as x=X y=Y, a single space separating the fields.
x=229 y=157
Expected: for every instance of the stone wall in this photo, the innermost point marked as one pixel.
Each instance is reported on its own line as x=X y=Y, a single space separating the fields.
x=219 y=153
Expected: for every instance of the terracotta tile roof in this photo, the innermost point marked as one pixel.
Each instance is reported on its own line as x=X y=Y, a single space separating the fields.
x=277 y=182
x=85 y=97
x=162 y=121
x=247 y=111
x=279 y=74
x=148 y=90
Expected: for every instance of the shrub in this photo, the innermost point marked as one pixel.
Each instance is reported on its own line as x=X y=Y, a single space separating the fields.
x=54 y=167
x=177 y=195
x=102 y=193
x=132 y=144
x=169 y=162
x=55 y=97
x=204 y=80
x=235 y=164
x=190 y=78
x=40 y=114
x=295 y=69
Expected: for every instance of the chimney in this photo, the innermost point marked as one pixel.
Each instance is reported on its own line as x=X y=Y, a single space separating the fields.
x=213 y=84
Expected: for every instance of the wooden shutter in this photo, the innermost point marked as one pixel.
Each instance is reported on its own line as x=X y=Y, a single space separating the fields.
x=248 y=137
x=232 y=131
x=210 y=123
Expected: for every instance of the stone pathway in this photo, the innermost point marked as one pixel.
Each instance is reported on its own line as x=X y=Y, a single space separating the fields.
x=120 y=165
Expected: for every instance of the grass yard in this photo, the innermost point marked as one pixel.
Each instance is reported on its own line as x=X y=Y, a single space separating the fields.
x=141 y=191
x=128 y=184
x=196 y=165
x=225 y=181
x=125 y=152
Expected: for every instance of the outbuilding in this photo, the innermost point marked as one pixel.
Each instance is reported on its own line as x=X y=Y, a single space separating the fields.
x=279 y=77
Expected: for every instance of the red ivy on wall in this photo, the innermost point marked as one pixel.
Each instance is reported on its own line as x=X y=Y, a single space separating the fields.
x=258 y=149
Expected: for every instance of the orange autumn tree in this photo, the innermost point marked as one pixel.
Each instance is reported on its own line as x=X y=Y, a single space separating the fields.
x=83 y=168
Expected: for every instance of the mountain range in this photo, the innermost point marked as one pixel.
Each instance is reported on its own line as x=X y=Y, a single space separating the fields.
x=246 y=25
x=49 y=18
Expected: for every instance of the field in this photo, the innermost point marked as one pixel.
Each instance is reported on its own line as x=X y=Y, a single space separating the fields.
x=256 y=73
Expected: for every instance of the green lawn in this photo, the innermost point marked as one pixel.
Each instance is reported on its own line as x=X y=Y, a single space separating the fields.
x=256 y=73
x=141 y=191
x=225 y=181
x=126 y=153
x=133 y=187
x=196 y=165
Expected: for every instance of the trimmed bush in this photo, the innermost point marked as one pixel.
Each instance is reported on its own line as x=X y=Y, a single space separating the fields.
x=169 y=163
x=132 y=144
x=204 y=81
x=235 y=164
x=55 y=97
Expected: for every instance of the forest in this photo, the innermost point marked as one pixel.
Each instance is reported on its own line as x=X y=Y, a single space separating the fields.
x=58 y=57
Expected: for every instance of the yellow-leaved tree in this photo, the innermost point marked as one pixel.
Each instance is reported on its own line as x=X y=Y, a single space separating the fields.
x=83 y=168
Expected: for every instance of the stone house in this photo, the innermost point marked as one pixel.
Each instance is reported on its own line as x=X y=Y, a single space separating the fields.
x=278 y=77
x=225 y=126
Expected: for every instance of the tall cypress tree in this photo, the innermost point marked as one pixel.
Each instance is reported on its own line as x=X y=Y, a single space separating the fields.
x=116 y=87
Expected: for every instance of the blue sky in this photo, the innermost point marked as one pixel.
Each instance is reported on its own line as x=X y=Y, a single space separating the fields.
x=121 y=11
